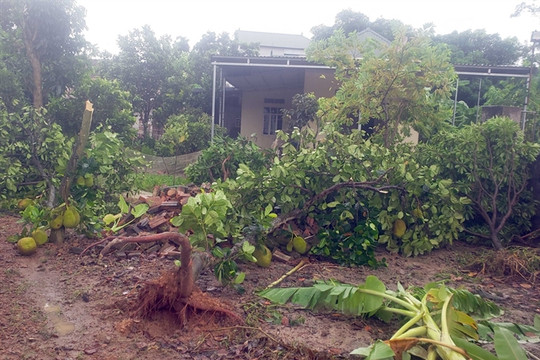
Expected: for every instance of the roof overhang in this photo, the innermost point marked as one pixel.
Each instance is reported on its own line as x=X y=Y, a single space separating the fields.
x=265 y=72
x=257 y=73
x=496 y=71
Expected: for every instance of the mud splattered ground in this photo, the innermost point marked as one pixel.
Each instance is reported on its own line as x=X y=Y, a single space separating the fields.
x=59 y=305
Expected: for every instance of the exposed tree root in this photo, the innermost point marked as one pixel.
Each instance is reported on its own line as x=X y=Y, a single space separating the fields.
x=174 y=291
x=163 y=294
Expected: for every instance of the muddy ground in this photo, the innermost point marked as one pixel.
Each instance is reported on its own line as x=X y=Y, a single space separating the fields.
x=59 y=305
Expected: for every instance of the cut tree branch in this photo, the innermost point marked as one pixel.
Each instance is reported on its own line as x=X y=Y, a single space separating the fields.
x=297 y=213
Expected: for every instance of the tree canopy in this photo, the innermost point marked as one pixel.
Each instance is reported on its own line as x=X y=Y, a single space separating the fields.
x=41 y=41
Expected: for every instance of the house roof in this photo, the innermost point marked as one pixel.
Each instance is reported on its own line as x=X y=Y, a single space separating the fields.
x=369 y=34
x=289 y=41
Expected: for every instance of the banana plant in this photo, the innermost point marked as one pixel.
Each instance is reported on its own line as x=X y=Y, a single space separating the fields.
x=436 y=327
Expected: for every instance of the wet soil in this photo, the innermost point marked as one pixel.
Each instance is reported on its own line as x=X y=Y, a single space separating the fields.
x=56 y=304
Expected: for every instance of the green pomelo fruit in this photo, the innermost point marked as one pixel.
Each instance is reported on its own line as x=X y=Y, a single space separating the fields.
x=23 y=204
x=418 y=213
x=399 y=228
x=300 y=245
x=26 y=246
x=56 y=223
x=290 y=246
x=80 y=181
x=263 y=256
x=89 y=180
x=71 y=217
x=40 y=236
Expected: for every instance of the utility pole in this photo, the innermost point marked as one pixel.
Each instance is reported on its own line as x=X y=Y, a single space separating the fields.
x=535 y=39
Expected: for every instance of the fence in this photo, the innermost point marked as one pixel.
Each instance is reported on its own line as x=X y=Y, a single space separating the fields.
x=173 y=165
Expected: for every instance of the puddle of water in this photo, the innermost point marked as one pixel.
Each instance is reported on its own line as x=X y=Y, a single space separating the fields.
x=61 y=326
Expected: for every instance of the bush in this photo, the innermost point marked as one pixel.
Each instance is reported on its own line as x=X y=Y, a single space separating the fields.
x=222 y=159
x=186 y=133
x=489 y=165
x=385 y=184
x=112 y=108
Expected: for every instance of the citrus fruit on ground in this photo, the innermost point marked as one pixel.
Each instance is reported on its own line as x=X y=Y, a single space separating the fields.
x=263 y=256
x=26 y=246
x=40 y=236
x=80 y=181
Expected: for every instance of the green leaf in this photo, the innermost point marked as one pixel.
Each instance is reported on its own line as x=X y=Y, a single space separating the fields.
x=177 y=221
x=378 y=351
x=240 y=277
x=122 y=204
x=109 y=218
x=474 y=351
x=537 y=322
x=218 y=252
x=247 y=247
x=280 y=296
x=367 y=302
x=139 y=210
x=506 y=345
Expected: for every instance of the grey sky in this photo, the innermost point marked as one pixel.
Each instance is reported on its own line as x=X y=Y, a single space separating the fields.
x=106 y=19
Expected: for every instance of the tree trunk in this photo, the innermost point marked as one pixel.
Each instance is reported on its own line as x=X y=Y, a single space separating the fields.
x=37 y=91
x=57 y=235
x=495 y=240
x=146 y=123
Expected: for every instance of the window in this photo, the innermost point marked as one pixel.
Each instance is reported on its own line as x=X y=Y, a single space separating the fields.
x=273 y=120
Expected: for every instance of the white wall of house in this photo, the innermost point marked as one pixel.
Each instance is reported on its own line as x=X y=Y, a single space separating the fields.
x=280 y=51
x=253 y=113
x=320 y=82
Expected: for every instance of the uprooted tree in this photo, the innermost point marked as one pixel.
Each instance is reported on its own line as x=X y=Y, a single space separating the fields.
x=174 y=290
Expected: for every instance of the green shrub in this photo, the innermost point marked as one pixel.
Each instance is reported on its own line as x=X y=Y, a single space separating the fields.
x=388 y=184
x=186 y=133
x=222 y=159
x=489 y=165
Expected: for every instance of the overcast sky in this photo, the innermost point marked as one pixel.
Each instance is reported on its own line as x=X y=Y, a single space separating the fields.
x=107 y=19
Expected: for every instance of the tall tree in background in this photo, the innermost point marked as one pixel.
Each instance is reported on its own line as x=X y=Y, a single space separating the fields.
x=402 y=85
x=479 y=47
x=40 y=43
x=349 y=21
x=200 y=74
x=176 y=90
x=532 y=7
x=143 y=65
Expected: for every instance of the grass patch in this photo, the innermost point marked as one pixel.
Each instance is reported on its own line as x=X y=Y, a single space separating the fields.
x=147 y=182
x=520 y=262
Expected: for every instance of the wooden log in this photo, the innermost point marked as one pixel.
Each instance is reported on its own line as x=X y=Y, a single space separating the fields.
x=157 y=221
